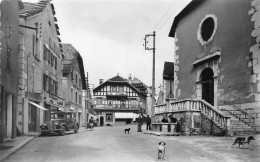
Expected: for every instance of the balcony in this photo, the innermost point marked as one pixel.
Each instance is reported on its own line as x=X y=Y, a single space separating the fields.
x=117 y=95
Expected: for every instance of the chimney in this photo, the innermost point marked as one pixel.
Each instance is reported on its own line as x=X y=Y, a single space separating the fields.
x=130 y=78
x=100 y=81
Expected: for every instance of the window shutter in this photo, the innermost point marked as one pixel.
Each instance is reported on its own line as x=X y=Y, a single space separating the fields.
x=55 y=63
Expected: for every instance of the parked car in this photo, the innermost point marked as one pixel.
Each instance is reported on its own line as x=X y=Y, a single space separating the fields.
x=60 y=123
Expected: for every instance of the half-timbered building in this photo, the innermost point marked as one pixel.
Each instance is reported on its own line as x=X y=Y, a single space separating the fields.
x=117 y=102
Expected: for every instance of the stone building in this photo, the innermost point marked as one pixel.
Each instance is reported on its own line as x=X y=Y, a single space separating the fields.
x=216 y=64
x=40 y=62
x=9 y=36
x=117 y=102
x=73 y=82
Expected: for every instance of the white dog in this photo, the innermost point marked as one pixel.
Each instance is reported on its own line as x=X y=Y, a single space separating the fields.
x=161 y=150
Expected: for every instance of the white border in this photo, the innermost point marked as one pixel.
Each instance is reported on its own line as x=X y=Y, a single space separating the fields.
x=202 y=42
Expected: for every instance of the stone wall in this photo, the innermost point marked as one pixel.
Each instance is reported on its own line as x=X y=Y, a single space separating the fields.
x=186 y=120
x=209 y=127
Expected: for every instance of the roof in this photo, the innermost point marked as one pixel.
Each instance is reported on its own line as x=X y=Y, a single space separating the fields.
x=71 y=56
x=188 y=9
x=69 y=52
x=117 y=79
x=137 y=81
x=168 y=70
x=28 y=9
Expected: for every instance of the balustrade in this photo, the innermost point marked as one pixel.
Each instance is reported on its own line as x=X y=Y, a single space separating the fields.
x=194 y=105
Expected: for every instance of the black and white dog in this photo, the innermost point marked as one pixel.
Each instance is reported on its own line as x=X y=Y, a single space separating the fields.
x=243 y=140
x=127 y=130
x=161 y=150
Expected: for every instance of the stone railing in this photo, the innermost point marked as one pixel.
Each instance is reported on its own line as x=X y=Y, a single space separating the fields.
x=195 y=105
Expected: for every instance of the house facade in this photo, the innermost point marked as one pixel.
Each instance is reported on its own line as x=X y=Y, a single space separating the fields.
x=73 y=81
x=216 y=64
x=40 y=62
x=145 y=90
x=9 y=36
x=117 y=102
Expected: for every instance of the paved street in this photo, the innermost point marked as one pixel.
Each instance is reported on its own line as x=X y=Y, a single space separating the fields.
x=111 y=144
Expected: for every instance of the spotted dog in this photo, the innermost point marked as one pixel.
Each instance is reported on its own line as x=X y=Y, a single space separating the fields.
x=243 y=140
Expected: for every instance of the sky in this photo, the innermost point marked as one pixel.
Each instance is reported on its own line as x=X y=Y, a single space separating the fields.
x=109 y=35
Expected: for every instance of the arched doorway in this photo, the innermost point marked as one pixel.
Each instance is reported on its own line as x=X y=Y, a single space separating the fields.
x=207 y=82
x=101 y=121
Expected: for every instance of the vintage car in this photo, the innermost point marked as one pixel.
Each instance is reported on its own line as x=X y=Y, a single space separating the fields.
x=60 y=123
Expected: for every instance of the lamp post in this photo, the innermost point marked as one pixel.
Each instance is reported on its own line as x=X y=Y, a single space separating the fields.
x=153 y=73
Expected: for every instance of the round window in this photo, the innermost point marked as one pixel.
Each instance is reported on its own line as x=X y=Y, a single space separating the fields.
x=207 y=29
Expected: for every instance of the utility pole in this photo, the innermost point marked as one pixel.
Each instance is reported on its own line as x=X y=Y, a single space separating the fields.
x=153 y=73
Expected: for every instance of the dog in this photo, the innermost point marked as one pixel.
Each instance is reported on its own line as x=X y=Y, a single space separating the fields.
x=243 y=140
x=127 y=130
x=161 y=150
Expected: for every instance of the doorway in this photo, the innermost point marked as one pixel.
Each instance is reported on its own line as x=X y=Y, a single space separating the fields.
x=207 y=82
x=101 y=121
x=31 y=118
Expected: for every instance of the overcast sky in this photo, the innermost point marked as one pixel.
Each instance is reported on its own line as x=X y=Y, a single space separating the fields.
x=109 y=34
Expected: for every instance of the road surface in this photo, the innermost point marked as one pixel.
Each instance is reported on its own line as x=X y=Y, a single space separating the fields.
x=111 y=144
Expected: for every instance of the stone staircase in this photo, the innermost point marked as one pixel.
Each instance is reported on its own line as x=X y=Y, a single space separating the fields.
x=242 y=120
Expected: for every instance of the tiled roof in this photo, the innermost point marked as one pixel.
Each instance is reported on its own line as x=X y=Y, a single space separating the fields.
x=137 y=81
x=30 y=9
x=117 y=79
x=69 y=52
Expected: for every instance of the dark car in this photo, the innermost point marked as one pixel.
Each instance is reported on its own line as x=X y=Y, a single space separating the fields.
x=60 y=123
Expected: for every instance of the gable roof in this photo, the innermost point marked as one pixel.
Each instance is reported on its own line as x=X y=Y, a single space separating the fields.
x=117 y=79
x=137 y=81
x=188 y=9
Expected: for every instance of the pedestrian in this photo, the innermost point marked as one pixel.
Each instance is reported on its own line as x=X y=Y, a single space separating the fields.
x=148 y=123
x=139 y=123
x=165 y=119
x=91 y=123
x=172 y=119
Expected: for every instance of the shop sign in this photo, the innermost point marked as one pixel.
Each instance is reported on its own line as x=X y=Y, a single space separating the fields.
x=33 y=96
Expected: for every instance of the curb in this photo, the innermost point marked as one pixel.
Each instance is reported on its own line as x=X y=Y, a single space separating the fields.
x=16 y=148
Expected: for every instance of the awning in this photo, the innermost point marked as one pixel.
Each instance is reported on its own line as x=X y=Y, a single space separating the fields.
x=38 y=106
x=124 y=115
